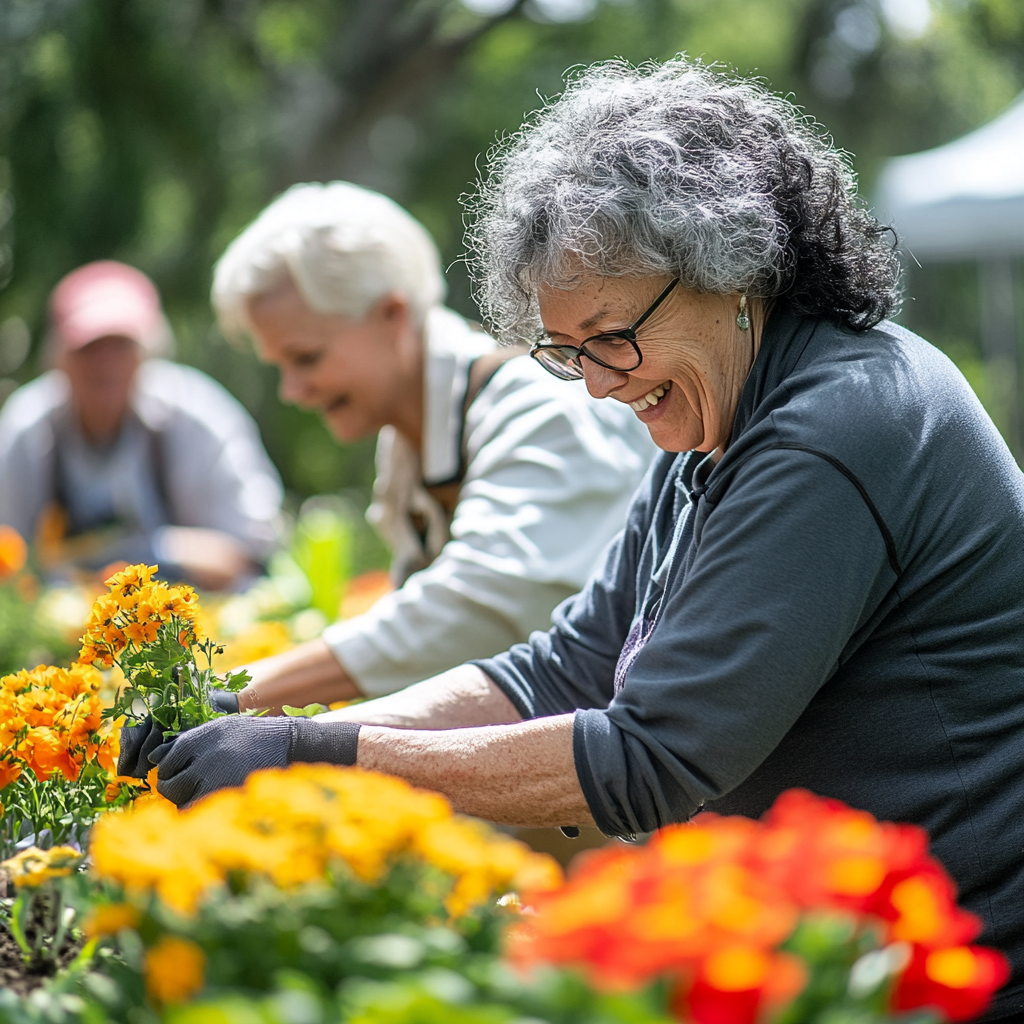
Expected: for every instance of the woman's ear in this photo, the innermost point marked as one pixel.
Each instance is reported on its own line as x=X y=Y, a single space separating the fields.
x=392 y=309
x=392 y=319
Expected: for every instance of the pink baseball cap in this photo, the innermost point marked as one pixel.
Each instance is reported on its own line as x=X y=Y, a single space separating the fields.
x=107 y=298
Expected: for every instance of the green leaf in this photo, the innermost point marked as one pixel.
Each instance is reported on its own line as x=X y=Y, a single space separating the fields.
x=20 y=914
x=234 y=681
x=306 y=712
x=165 y=715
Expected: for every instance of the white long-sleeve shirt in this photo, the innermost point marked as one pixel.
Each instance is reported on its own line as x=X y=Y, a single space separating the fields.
x=548 y=474
x=188 y=454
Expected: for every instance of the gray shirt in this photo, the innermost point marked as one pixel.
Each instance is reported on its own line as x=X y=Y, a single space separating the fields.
x=188 y=454
x=838 y=604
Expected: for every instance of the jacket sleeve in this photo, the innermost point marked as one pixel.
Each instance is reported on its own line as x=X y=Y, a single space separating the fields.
x=547 y=487
x=786 y=569
x=26 y=454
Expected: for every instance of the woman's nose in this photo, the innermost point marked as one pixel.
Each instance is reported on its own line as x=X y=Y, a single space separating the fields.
x=601 y=381
x=292 y=388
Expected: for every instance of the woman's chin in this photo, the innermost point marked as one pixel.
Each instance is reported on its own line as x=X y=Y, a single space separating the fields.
x=345 y=428
x=672 y=437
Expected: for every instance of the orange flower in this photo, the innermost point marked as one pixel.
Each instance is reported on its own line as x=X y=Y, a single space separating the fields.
x=10 y=771
x=174 y=970
x=142 y=632
x=90 y=654
x=50 y=721
x=13 y=552
x=126 y=584
x=925 y=911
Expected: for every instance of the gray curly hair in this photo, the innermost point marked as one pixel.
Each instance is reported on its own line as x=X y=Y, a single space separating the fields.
x=679 y=170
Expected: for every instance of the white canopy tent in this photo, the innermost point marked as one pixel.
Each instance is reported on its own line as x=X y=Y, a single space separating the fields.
x=965 y=201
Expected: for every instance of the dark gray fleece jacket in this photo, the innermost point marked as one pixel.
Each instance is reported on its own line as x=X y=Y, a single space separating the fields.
x=838 y=604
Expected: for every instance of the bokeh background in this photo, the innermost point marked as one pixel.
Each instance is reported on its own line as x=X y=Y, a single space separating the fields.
x=152 y=132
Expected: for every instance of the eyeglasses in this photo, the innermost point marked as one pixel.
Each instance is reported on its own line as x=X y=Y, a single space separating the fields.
x=615 y=350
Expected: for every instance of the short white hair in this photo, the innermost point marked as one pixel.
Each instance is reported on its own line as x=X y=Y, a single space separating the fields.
x=343 y=246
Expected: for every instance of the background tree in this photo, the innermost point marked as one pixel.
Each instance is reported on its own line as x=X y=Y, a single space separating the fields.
x=153 y=132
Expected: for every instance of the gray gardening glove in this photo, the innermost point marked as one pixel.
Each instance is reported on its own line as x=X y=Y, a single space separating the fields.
x=225 y=701
x=139 y=741
x=225 y=751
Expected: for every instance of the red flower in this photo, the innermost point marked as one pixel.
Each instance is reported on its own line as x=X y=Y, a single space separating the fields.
x=959 y=980
x=737 y=984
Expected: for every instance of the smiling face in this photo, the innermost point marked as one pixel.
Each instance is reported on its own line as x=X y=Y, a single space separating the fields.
x=695 y=357
x=359 y=375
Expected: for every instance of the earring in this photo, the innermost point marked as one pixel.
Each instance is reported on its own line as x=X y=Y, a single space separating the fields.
x=742 y=319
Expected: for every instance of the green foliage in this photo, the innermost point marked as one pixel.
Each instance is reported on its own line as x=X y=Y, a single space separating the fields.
x=166 y=681
x=26 y=638
x=322 y=548
x=154 y=132
x=52 y=811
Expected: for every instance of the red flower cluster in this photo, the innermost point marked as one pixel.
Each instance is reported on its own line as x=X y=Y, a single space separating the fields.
x=711 y=903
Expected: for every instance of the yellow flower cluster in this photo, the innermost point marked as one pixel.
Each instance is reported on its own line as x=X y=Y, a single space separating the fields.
x=133 y=612
x=293 y=824
x=32 y=867
x=51 y=720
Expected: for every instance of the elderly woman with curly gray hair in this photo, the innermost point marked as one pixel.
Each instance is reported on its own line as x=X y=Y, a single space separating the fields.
x=819 y=583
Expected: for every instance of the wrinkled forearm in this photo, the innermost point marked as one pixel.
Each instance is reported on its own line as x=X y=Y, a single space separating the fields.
x=520 y=774
x=307 y=674
x=461 y=698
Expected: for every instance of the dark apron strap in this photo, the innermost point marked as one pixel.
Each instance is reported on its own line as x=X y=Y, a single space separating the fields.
x=481 y=370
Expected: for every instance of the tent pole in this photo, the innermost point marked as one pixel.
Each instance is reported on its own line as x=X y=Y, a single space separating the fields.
x=999 y=348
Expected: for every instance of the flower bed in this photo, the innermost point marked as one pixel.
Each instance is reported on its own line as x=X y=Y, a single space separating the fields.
x=316 y=894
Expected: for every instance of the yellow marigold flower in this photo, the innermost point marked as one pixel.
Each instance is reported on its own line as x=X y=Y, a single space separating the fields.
x=32 y=867
x=110 y=919
x=174 y=970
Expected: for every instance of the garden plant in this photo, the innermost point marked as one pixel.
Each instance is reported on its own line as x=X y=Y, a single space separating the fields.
x=316 y=894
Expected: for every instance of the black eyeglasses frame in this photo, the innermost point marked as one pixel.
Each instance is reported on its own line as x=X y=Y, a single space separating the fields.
x=571 y=368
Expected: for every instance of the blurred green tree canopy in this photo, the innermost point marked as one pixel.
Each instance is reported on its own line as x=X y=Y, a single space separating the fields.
x=152 y=132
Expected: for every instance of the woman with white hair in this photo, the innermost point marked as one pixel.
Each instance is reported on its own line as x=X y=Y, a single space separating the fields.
x=496 y=489
x=819 y=583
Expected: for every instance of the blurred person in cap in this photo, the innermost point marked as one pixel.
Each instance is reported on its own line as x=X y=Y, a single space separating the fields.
x=115 y=454
x=497 y=487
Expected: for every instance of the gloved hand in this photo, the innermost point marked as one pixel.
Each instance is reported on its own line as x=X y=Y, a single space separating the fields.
x=224 y=700
x=225 y=751
x=139 y=741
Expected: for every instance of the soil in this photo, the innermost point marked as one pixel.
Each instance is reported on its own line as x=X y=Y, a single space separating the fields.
x=20 y=977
